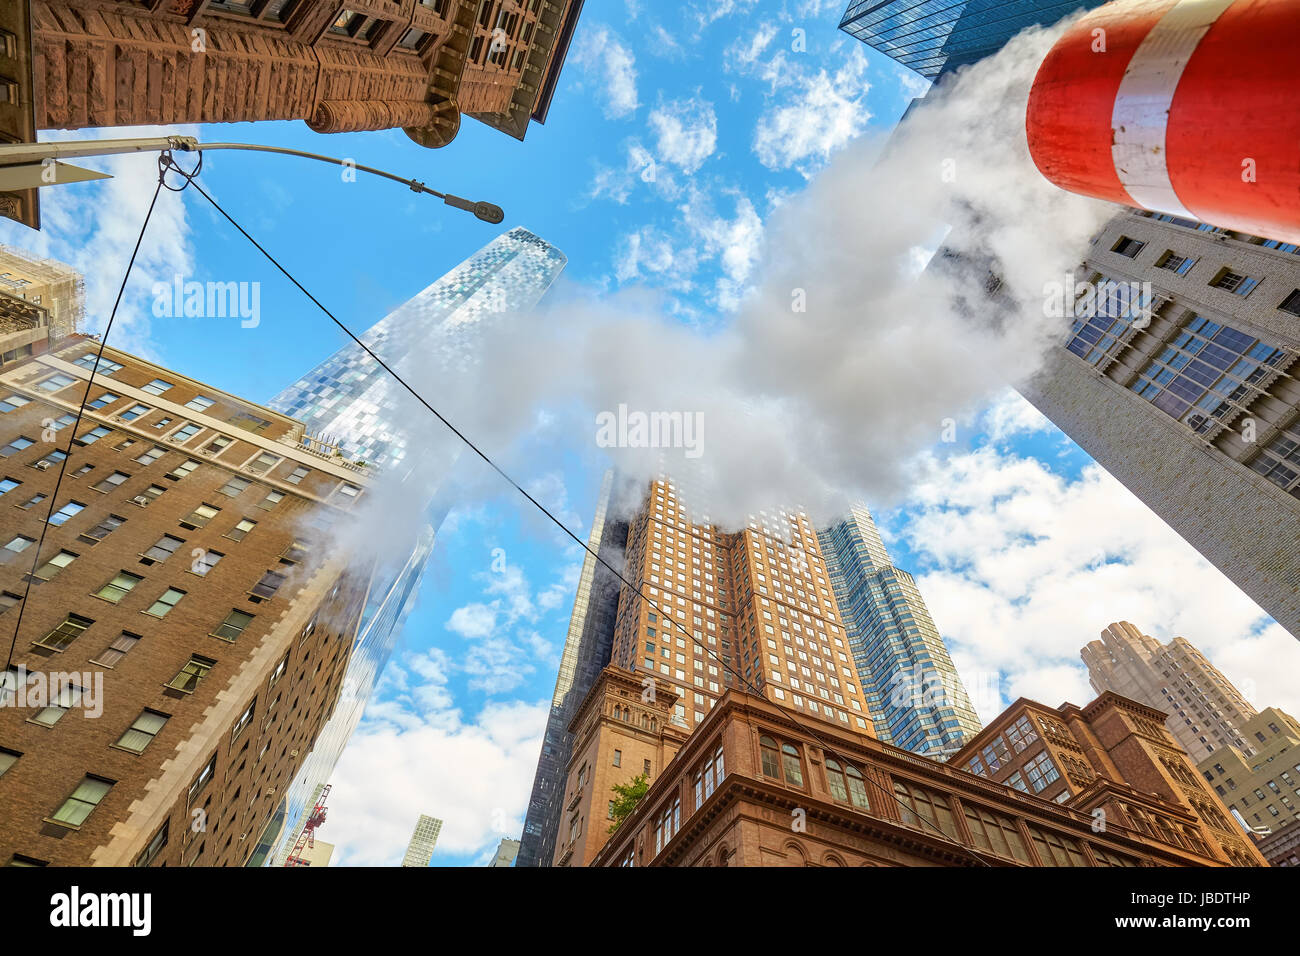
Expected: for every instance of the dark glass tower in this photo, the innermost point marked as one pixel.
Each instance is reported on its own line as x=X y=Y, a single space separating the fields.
x=586 y=653
x=935 y=37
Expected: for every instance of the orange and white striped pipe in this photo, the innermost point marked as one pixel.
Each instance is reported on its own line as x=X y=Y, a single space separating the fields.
x=1186 y=107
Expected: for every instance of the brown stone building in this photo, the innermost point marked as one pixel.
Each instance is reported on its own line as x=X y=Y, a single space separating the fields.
x=340 y=66
x=706 y=606
x=757 y=601
x=187 y=629
x=752 y=787
x=1116 y=761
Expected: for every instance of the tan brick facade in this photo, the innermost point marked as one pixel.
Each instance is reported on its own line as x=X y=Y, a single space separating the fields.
x=166 y=497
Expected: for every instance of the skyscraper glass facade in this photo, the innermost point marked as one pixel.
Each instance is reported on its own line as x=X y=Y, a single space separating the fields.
x=915 y=696
x=586 y=652
x=349 y=402
x=935 y=37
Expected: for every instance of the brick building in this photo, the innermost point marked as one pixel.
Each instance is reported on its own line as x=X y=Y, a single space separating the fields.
x=187 y=629
x=340 y=66
x=752 y=787
x=1114 y=760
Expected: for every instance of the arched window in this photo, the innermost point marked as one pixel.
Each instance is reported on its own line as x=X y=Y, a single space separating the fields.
x=790 y=763
x=846 y=783
x=771 y=758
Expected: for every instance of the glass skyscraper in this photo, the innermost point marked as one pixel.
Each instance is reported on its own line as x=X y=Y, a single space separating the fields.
x=586 y=652
x=913 y=691
x=935 y=37
x=353 y=406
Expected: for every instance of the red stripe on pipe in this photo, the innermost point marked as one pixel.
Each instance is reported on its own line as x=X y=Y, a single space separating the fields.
x=1068 y=121
x=1238 y=100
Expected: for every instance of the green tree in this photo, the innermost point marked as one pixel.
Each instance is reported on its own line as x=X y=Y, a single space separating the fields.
x=626 y=797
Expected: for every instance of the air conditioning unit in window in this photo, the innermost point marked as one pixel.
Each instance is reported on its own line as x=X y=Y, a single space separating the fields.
x=42 y=465
x=141 y=500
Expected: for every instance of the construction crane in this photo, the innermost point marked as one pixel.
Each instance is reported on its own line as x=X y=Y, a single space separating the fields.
x=307 y=838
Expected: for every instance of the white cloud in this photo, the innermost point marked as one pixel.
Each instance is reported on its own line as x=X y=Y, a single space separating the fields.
x=735 y=242
x=601 y=54
x=1012 y=415
x=473 y=621
x=93 y=228
x=686 y=132
x=403 y=761
x=1028 y=566
x=812 y=115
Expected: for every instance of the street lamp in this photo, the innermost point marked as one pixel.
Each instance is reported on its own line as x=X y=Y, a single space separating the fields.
x=29 y=166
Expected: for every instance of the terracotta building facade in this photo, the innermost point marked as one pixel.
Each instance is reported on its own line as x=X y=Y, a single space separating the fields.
x=185 y=630
x=339 y=66
x=753 y=787
x=1114 y=760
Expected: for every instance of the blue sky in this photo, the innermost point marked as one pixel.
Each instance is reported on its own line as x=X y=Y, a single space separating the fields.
x=1023 y=548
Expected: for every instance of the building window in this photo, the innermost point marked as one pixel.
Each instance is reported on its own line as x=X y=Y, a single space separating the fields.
x=200 y=403
x=183 y=469
x=11 y=402
x=121 y=585
x=1291 y=303
x=234 y=486
x=71 y=509
x=1041 y=772
x=68 y=697
x=150 y=455
x=1206 y=371
x=297 y=475
x=141 y=733
x=995 y=833
x=15 y=446
x=73 y=626
x=7 y=759
x=1279 y=460
x=193 y=672
x=1100 y=324
x=1055 y=849
x=105 y=366
x=241 y=529
x=84 y=799
x=1234 y=282
x=94 y=435
x=618 y=758
x=269 y=584
x=163 y=549
x=200 y=516
x=155 y=845
x=233 y=626
x=157 y=387
x=244 y=720
x=111 y=482
x=781 y=761
x=117 y=650
x=924 y=810
x=1127 y=247
x=169 y=599
x=134 y=412
x=1175 y=263
x=55 y=382
x=53 y=566
x=205 y=776
x=846 y=783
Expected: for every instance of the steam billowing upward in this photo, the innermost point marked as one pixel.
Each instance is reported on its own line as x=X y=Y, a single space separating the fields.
x=845 y=359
